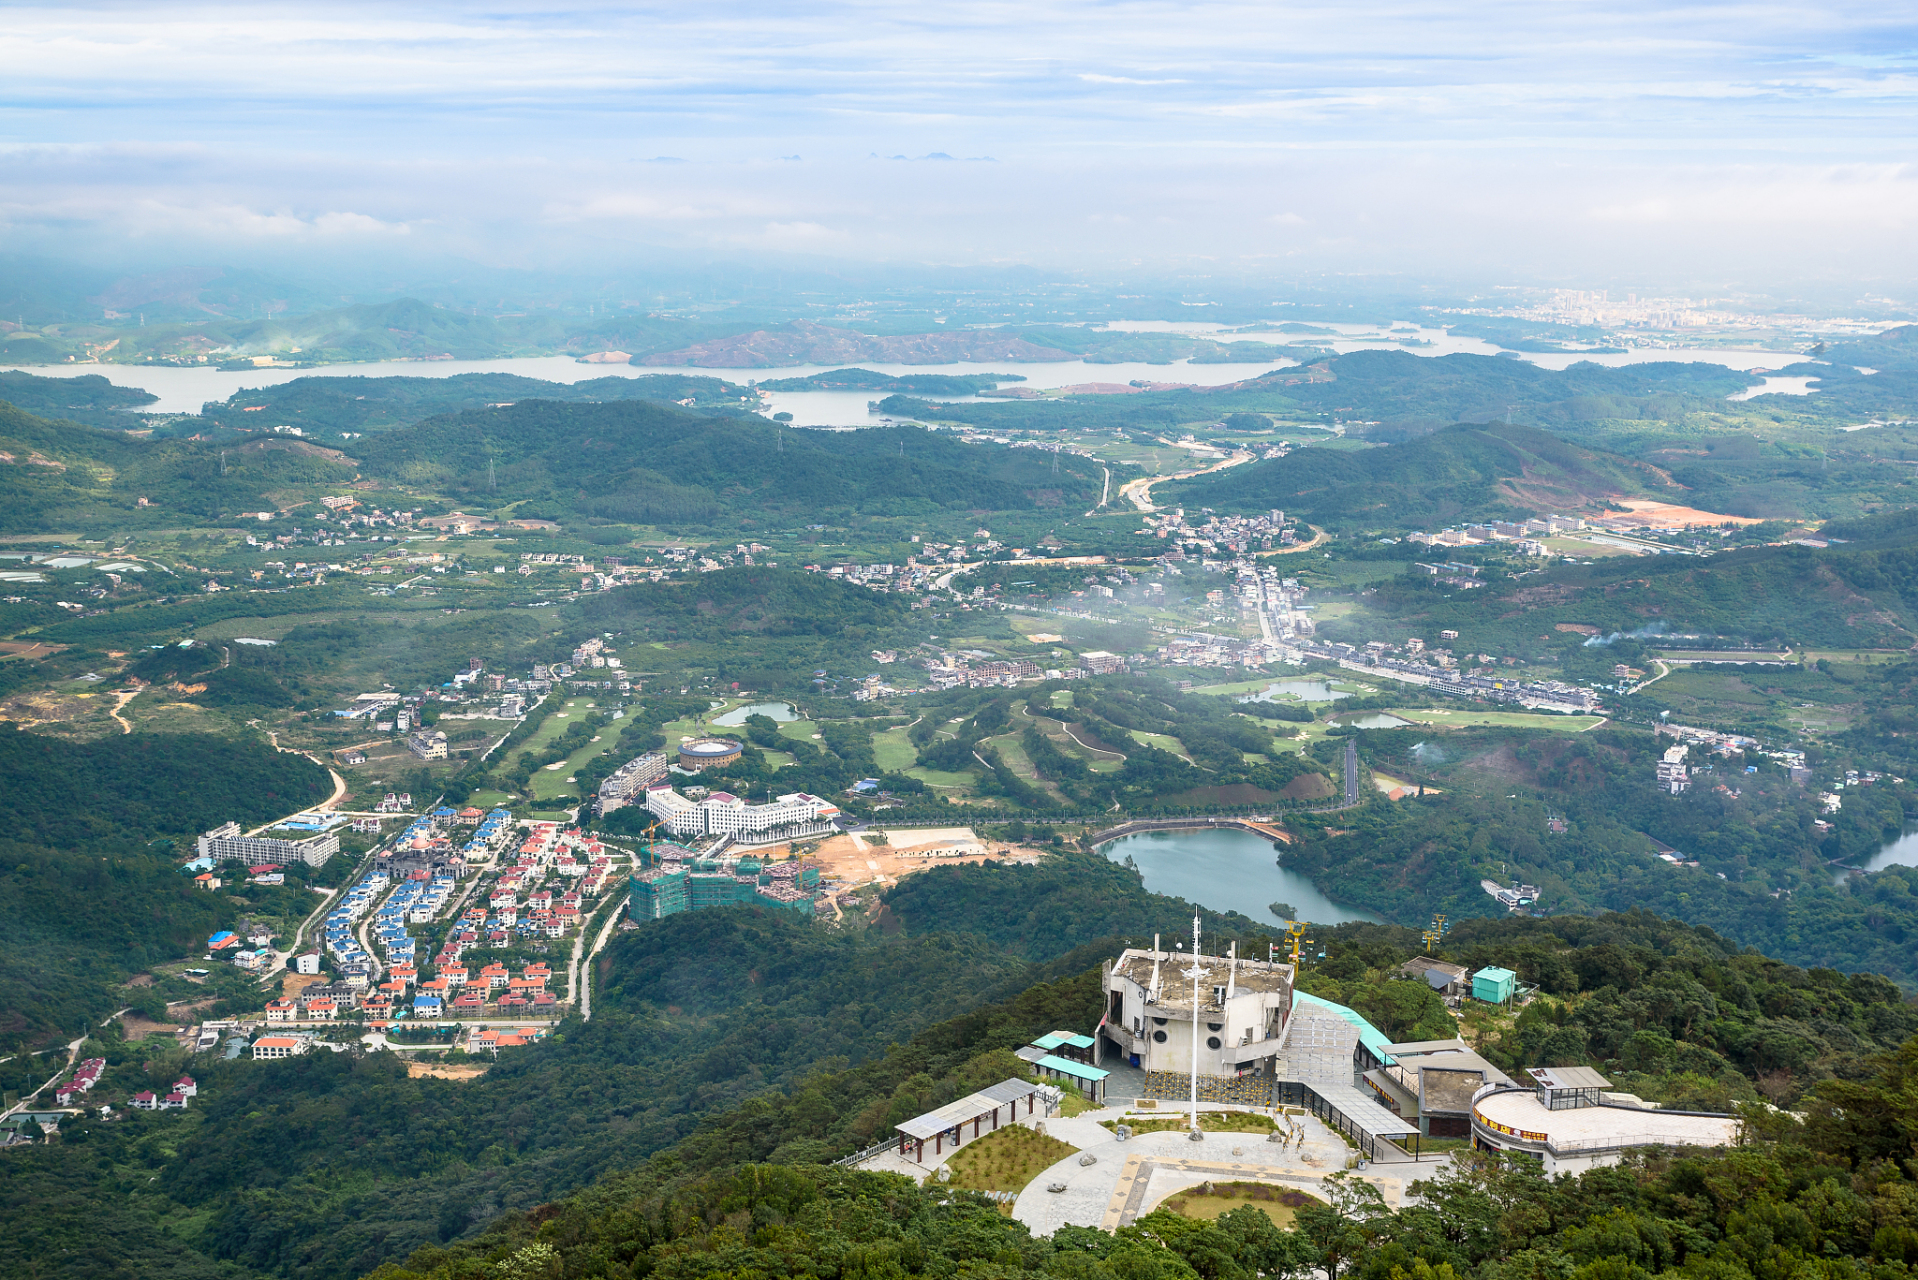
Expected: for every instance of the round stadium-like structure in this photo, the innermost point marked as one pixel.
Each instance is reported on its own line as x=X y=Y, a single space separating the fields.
x=704 y=753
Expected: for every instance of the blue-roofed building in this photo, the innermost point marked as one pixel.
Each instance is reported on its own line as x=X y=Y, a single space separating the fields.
x=1089 y=1080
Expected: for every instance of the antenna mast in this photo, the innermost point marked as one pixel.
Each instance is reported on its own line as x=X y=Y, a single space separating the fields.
x=1193 y=973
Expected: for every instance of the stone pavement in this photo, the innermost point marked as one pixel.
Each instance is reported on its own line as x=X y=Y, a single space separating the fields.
x=1129 y=1179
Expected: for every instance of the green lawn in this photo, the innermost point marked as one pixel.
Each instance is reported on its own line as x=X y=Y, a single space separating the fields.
x=1014 y=754
x=1857 y=656
x=554 y=725
x=893 y=750
x=944 y=781
x=1161 y=741
x=551 y=782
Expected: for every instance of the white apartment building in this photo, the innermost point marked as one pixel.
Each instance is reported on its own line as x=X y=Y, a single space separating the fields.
x=225 y=844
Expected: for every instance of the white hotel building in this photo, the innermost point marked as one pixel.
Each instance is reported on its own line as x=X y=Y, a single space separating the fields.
x=790 y=817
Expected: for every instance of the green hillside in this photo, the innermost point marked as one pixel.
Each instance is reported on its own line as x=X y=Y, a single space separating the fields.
x=328 y=406
x=89 y=398
x=731 y=1038
x=1463 y=472
x=62 y=475
x=651 y=463
x=1894 y=349
x=90 y=886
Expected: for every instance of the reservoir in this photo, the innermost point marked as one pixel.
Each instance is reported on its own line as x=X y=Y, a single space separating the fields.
x=1227 y=871
x=185 y=389
x=1902 y=852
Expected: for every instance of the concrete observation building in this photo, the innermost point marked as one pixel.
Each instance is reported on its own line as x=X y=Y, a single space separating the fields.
x=1255 y=1040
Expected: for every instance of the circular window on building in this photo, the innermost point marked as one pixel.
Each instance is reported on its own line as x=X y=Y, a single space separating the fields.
x=1214 y=1026
x=1212 y=1042
x=1159 y=1036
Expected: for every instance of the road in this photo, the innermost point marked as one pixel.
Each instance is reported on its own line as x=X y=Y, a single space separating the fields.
x=585 y=973
x=1105 y=491
x=1318 y=537
x=339 y=783
x=1140 y=491
x=1351 y=773
x=73 y=1055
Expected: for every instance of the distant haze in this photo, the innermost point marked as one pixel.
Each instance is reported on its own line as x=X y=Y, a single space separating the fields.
x=1579 y=143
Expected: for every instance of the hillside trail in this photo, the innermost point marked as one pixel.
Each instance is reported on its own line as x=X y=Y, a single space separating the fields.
x=120 y=701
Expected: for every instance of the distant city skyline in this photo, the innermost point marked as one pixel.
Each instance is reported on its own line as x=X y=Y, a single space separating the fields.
x=1566 y=144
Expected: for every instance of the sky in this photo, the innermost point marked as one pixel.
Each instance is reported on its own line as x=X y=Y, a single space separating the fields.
x=1575 y=143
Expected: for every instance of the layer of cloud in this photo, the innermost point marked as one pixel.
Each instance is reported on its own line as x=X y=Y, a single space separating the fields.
x=1499 y=137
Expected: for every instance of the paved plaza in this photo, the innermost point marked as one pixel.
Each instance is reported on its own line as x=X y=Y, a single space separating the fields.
x=1129 y=1179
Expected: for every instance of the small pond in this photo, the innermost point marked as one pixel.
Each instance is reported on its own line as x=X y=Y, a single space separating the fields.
x=780 y=711
x=1303 y=690
x=1374 y=720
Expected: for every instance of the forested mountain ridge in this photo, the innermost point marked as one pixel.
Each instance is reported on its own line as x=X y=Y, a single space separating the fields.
x=90 y=882
x=56 y=474
x=1861 y=593
x=650 y=462
x=1461 y=472
x=1652 y=1002
x=735 y=1036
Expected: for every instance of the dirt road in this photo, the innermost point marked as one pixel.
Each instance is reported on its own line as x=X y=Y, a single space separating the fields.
x=1140 y=491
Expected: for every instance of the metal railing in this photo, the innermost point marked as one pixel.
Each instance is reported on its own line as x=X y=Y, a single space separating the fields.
x=860 y=1157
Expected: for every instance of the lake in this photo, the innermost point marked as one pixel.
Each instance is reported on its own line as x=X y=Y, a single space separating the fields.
x=1303 y=690
x=779 y=711
x=1227 y=871
x=185 y=390
x=1374 y=720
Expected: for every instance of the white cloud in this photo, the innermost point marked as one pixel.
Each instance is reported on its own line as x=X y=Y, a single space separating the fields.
x=1502 y=135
